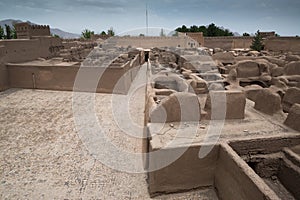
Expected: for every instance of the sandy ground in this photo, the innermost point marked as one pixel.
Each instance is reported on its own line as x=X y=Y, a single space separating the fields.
x=43 y=157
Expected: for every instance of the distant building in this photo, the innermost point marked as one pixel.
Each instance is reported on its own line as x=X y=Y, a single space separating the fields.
x=100 y=36
x=198 y=36
x=267 y=34
x=27 y=31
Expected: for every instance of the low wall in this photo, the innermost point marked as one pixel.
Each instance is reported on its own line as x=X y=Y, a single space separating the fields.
x=228 y=43
x=63 y=78
x=283 y=44
x=263 y=145
x=187 y=172
x=234 y=179
x=113 y=79
x=151 y=42
x=273 y=157
x=222 y=169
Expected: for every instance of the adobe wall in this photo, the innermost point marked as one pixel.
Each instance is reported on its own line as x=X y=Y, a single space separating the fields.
x=228 y=43
x=99 y=36
x=151 y=42
x=22 y=30
x=63 y=77
x=234 y=179
x=187 y=172
x=222 y=169
x=263 y=145
x=3 y=71
x=39 y=30
x=198 y=37
x=27 y=31
x=69 y=44
x=283 y=44
x=277 y=44
x=3 y=77
x=27 y=50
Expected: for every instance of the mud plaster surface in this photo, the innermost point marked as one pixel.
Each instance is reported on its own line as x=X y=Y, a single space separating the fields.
x=255 y=125
x=42 y=156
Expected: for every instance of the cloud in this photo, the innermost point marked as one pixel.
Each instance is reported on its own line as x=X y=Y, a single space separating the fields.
x=96 y=3
x=268 y=18
x=66 y=4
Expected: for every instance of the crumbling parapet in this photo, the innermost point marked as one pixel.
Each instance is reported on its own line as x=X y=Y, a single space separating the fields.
x=291 y=97
x=169 y=81
x=292 y=68
x=198 y=85
x=225 y=105
x=293 y=118
x=178 y=107
x=268 y=102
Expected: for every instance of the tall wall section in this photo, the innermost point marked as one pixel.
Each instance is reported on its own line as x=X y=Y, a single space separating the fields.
x=283 y=44
x=228 y=43
x=197 y=36
x=15 y=51
x=27 y=50
x=276 y=44
x=27 y=31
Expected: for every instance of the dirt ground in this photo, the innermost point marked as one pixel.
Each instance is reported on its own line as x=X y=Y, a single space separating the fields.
x=42 y=156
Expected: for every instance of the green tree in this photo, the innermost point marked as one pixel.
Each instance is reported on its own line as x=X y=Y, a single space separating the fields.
x=13 y=30
x=13 y=33
x=246 y=34
x=8 y=32
x=194 y=29
x=183 y=29
x=203 y=29
x=1 y=33
x=212 y=30
x=56 y=36
x=142 y=35
x=257 y=42
x=226 y=32
x=103 y=33
x=87 y=34
x=111 y=32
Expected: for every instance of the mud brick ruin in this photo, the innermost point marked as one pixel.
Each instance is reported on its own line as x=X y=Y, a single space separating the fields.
x=230 y=113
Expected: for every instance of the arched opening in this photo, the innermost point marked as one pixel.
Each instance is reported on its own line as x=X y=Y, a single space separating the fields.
x=146 y=56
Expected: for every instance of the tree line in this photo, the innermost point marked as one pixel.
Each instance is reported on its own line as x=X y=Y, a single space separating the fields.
x=87 y=34
x=10 y=32
x=208 y=31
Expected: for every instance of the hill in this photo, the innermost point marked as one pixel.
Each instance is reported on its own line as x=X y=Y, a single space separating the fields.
x=54 y=31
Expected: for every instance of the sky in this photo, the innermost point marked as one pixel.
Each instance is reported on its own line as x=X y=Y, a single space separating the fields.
x=240 y=16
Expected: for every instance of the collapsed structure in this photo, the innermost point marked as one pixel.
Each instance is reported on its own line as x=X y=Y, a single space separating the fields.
x=242 y=105
x=190 y=92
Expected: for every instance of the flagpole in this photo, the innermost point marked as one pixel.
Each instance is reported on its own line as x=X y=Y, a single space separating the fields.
x=147 y=23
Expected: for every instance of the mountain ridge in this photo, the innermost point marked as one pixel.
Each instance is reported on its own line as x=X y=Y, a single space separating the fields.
x=54 y=31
